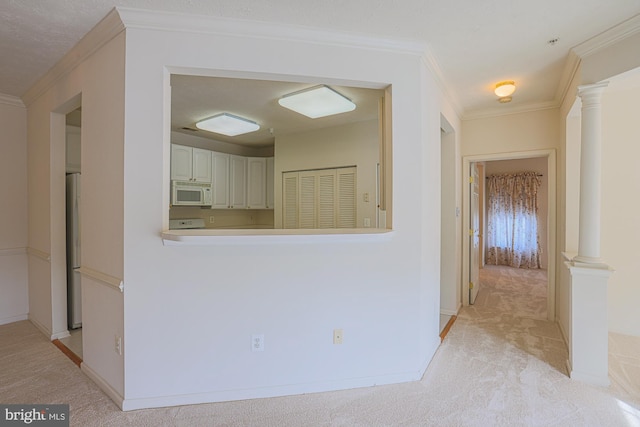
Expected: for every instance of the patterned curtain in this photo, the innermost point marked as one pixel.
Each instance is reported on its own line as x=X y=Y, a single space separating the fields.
x=512 y=220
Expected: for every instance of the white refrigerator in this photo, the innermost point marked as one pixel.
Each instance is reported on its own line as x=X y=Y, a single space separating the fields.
x=74 y=290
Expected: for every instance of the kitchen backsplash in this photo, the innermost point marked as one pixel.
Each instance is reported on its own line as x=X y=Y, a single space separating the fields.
x=226 y=218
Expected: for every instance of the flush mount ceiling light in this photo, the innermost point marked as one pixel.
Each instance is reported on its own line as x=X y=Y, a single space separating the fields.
x=318 y=101
x=228 y=124
x=504 y=90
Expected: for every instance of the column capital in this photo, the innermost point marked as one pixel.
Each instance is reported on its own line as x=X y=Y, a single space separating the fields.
x=592 y=90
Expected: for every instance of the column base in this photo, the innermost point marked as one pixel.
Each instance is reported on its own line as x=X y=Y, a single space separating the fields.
x=589 y=262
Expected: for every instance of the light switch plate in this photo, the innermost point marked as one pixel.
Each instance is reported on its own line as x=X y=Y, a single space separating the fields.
x=257 y=342
x=337 y=336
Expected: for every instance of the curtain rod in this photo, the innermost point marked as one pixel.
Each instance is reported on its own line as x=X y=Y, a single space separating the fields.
x=538 y=174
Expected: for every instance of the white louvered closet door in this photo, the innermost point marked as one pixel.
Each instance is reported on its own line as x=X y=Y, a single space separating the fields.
x=290 y=200
x=346 y=198
x=319 y=198
x=307 y=200
x=327 y=198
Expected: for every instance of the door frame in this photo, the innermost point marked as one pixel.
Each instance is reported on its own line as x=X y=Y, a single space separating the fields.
x=550 y=154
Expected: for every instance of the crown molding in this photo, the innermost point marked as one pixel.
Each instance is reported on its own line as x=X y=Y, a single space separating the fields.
x=12 y=101
x=496 y=112
x=207 y=24
x=609 y=37
x=109 y=27
x=571 y=67
x=432 y=65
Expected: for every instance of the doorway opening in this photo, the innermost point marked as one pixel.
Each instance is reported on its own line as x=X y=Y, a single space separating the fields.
x=544 y=159
x=65 y=158
x=73 y=169
x=450 y=298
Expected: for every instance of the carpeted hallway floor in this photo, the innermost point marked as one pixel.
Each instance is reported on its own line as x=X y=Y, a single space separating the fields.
x=502 y=364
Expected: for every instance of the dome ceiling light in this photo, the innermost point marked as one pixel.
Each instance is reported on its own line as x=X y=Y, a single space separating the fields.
x=504 y=90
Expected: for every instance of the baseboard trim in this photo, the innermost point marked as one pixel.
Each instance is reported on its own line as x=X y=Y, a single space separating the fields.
x=40 y=327
x=104 y=385
x=47 y=332
x=12 y=319
x=449 y=312
x=259 y=393
x=598 y=380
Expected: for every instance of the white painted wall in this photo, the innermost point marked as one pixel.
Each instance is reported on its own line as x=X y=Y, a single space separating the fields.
x=620 y=205
x=535 y=164
x=203 y=300
x=356 y=144
x=14 y=303
x=98 y=84
x=535 y=130
x=450 y=289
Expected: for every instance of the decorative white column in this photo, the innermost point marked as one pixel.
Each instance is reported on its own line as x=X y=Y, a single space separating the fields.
x=590 y=172
x=589 y=335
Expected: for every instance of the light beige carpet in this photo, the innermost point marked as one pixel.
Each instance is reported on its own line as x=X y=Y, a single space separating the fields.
x=502 y=364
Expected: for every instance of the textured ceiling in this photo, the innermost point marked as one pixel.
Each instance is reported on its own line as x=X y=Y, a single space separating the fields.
x=475 y=43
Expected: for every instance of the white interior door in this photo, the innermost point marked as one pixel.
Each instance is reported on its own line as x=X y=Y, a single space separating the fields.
x=474 y=234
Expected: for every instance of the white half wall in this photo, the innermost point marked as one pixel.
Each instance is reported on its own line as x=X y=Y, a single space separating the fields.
x=207 y=301
x=14 y=303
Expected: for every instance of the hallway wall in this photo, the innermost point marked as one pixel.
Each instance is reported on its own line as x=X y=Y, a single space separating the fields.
x=14 y=304
x=620 y=204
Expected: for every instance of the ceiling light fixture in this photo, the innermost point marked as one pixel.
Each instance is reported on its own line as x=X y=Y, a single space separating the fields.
x=318 y=101
x=504 y=90
x=228 y=124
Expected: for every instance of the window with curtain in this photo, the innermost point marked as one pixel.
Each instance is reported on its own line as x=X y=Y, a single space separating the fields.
x=512 y=220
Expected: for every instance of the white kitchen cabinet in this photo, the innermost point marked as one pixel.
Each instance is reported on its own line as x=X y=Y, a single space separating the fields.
x=270 y=182
x=190 y=164
x=237 y=182
x=256 y=183
x=220 y=180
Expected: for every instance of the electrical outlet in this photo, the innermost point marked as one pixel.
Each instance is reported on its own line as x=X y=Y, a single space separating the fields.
x=118 y=345
x=337 y=336
x=365 y=197
x=212 y=219
x=367 y=222
x=257 y=342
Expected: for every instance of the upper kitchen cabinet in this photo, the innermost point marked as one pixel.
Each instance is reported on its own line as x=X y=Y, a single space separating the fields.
x=238 y=182
x=270 y=179
x=256 y=183
x=229 y=182
x=190 y=164
x=220 y=183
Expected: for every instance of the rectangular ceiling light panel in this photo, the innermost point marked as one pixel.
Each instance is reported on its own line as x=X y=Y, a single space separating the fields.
x=228 y=124
x=318 y=101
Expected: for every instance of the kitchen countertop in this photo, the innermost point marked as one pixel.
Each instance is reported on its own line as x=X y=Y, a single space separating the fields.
x=254 y=236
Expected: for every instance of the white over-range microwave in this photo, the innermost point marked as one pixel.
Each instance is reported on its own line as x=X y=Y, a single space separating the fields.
x=185 y=193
